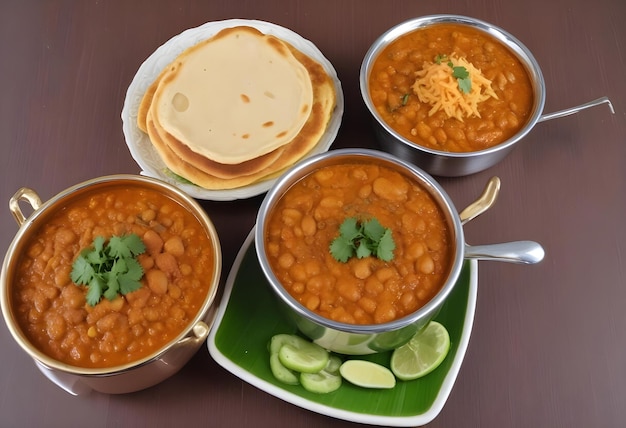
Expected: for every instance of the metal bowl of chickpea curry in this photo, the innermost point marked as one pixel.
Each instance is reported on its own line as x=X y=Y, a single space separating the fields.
x=363 y=248
x=453 y=94
x=110 y=285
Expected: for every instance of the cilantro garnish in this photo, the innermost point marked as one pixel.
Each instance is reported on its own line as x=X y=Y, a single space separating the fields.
x=111 y=269
x=362 y=239
x=462 y=76
x=460 y=73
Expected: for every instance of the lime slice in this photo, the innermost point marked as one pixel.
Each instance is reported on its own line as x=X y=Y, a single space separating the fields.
x=367 y=374
x=303 y=356
x=282 y=373
x=422 y=354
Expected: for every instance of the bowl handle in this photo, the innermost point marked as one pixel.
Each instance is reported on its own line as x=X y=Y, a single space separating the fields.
x=572 y=110
x=199 y=333
x=23 y=194
x=484 y=201
x=524 y=252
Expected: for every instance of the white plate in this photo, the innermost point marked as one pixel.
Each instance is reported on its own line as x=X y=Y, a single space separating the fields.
x=248 y=316
x=139 y=144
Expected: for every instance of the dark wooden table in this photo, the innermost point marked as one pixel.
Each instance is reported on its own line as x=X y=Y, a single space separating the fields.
x=548 y=346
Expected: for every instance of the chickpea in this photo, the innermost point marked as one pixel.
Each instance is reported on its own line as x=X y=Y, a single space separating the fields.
x=367 y=304
x=312 y=302
x=362 y=268
x=153 y=242
x=157 y=281
x=286 y=260
x=308 y=225
x=168 y=264
x=365 y=191
x=174 y=246
x=55 y=326
x=425 y=264
x=384 y=312
x=391 y=190
x=349 y=290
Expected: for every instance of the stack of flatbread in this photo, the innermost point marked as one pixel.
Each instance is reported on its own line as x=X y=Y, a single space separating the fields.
x=237 y=108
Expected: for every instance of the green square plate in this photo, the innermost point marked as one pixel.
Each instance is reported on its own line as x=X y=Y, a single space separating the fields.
x=249 y=316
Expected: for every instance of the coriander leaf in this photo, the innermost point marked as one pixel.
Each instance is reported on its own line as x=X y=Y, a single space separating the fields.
x=95 y=291
x=341 y=249
x=373 y=229
x=363 y=248
x=118 y=248
x=405 y=99
x=349 y=229
x=109 y=269
x=113 y=287
x=128 y=284
x=362 y=240
x=98 y=244
x=460 y=72
x=440 y=58
x=465 y=85
x=134 y=244
x=118 y=267
x=82 y=271
x=386 y=245
x=96 y=257
x=133 y=269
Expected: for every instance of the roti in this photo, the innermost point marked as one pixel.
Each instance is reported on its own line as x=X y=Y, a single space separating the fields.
x=241 y=157
x=234 y=97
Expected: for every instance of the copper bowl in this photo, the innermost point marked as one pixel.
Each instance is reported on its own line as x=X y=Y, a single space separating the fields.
x=134 y=376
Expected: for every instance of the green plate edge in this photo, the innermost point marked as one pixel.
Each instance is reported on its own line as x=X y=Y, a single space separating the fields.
x=249 y=316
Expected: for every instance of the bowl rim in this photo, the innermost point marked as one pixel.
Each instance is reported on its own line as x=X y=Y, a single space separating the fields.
x=40 y=214
x=507 y=39
x=335 y=156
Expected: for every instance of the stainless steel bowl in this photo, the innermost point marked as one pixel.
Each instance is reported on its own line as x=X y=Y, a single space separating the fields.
x=442 y=163
x=365 y=339
x=135 y=376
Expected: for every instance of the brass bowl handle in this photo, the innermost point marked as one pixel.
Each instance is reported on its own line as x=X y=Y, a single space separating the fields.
x=23 y=194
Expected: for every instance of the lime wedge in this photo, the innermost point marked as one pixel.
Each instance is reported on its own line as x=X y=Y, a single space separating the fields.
x=367 y=374
x=303 y=356
x=422 y=354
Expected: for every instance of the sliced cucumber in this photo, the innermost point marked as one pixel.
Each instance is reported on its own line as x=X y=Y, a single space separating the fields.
x=320 y=383
x=282 y=373
x=277 y=341
x=303 y=356
x=334 y=362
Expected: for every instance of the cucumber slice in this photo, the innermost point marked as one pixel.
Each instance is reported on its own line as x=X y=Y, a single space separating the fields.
x=277 y=341
x=303 y=356
x=332 y=367
x=282 y=373
x=320 y=383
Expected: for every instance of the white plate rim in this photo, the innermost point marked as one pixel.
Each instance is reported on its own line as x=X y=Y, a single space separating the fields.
x=363 y=418
x=139 y=143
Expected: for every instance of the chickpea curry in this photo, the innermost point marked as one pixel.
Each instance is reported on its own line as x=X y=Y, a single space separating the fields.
x=451 y=87
x=117 y=329
x=362 y=290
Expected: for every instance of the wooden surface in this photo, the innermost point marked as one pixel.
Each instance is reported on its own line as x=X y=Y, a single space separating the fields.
x=548 y=346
